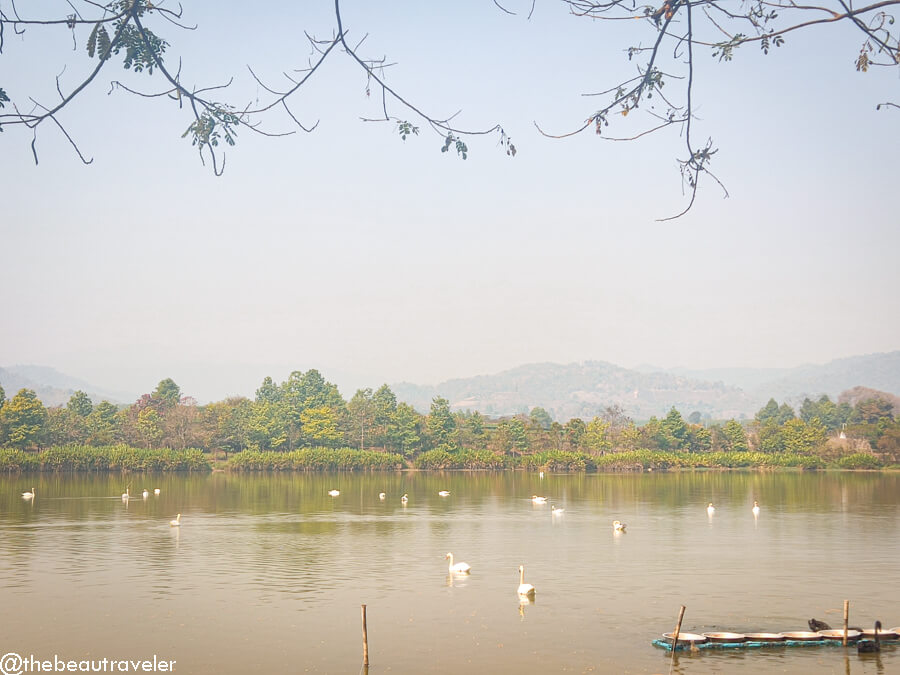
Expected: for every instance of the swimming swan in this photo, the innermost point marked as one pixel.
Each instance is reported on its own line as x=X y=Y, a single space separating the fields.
x=444 y=493
x=176 y=522
x=556 y=511
x=538 y=500
x=28 y=495
x=618 y=527
x=334 y=493
x=524 y=589
x=755 y=508
x=145 y=493
x=870 y=646
x=710 y=509
x=126 y=495
x=404 y=498
x=156 y=491
x=458 y=568
x=381 y=496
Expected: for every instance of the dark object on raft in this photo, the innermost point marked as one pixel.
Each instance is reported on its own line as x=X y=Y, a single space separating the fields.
x=815 y=625
x=870 y=646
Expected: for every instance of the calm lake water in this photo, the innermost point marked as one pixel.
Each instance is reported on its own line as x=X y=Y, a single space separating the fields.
x=267 y=572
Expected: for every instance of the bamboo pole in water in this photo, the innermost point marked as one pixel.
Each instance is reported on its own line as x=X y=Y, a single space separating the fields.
x=365 y=638
x=846 y=621
x=677 y=630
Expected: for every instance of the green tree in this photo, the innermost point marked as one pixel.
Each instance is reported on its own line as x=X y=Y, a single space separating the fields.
x=769 y=412
x=440 y=422
x=735 y=436
x=574 y=430
x=268 y=392
x=2 y=396
x=674 y=427
x=405 y=430
x=802 y=437
x=596 y=436
x=103 y=424
x=23 y=417
x=80 y=404
x=361 y=412
x=540 y=418
x=167 y=392
x=320 y=425
x=385 y=402
x=149 y=426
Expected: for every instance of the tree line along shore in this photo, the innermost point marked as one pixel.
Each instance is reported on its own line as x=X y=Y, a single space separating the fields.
x=304 y=424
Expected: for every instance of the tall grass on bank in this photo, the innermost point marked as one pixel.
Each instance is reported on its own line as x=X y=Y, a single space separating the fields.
x=315 y=459
x=103 y=458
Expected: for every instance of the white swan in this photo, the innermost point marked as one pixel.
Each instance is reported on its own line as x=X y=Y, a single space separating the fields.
x=381 y=496
x=126 y=495
x=404 y=498
x=618 y=527
x=145 y=493
x=556 y=511
x=458 y=568
x=538 y=500
x=28 y=495
x=524 y=589
x=710 y=509
x=176 y=522
x=444 y=493
x=755 y=508
x=156 y=491
x=334 y=493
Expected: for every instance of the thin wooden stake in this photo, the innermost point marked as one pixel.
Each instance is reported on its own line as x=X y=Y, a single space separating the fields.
x=675 y=637
x=365 y=638
x=846 y=621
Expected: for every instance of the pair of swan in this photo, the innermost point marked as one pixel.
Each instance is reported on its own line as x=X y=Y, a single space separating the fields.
x=28 y=495
x=524 y=590
x=710 y=509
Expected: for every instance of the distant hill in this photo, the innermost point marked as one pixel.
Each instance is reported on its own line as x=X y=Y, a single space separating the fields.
x=582 y=390
x=585 y=389
x=876 y=371
x=54 y=388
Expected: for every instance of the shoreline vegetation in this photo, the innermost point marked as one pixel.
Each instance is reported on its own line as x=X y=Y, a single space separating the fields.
x=305 y=424
x=128 y=459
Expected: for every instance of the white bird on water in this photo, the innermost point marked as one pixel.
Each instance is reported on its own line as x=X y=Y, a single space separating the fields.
x=458 y=568
x=710 y=509
x=381 y=496
x=444 y=493
x=524 y=589
x=156 y=491
x=126 y=495
x=618 y=527
x=28 y=495
x=145 y=493
x=404 y=498
x=556 y=511
x=334 y=493
x=538 y=500
x=755 y=508
x=176 y=522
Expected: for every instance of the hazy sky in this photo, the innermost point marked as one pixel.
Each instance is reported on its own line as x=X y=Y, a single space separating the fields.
x=374 y=259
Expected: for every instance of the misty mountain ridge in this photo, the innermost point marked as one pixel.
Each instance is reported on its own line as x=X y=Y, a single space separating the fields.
x=585 y=389
x=54 y=388
x=582 y=389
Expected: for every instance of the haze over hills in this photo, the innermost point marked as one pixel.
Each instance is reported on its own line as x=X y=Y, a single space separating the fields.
x=584 y=389
x=570 y=390
x=55 y=388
